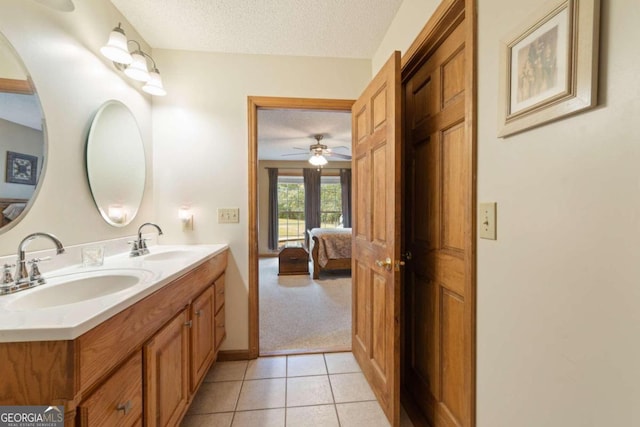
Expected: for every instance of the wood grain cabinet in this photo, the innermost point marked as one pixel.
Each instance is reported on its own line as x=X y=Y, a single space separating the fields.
x=117 y=402
x=141 y=367
x=202 y=335
x=166 y=358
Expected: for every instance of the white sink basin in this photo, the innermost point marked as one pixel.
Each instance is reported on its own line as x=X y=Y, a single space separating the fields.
x=77 y=287
x=171 y=255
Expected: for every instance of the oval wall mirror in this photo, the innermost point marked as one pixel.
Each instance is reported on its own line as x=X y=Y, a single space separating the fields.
x=22 y=139
x=115 y=163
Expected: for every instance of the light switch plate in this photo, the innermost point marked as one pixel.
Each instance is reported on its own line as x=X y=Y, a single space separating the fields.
x=487 y=220
x=228 y=215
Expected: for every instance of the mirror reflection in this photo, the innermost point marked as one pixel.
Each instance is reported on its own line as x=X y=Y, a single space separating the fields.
x=115 y=163
x=22 y=139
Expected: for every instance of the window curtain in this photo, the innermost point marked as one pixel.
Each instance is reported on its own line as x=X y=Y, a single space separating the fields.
x=345 y=186
x=272 y=242
x=311 y=201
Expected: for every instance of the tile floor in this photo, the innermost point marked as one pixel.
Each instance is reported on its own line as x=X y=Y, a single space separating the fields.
x=321 y=390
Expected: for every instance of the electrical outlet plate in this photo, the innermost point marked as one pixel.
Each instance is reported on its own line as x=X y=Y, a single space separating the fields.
x=228 y=215
x=487 y=220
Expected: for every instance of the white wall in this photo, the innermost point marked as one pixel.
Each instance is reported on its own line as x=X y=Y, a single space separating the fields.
x=61 y=52
x=406 y=25
x=558 y=292
x=200 y=135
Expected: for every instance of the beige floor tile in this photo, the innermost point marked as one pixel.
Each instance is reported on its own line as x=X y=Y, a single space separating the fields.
x=262 y=418
x=305 y=365
x=267 y=367
x=312 y=416
x=306 y=391
x=350 y=388
x=361 y=414
x=216 y=397
x=341 y=363
x=262 y=394
x=208 y=420
x=227 y=371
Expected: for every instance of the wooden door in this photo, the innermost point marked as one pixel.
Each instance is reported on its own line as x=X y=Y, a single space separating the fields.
x=202 y=336
x=438 y=293
x=376 y=235
x=167 y=373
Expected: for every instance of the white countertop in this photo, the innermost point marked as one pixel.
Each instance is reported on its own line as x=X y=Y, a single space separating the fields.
x=69 y=321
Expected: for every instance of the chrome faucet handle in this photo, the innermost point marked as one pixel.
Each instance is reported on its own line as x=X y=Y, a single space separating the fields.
x=35 y=276
x=7 y=278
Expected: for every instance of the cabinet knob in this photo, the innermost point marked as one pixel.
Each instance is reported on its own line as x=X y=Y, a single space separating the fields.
x=198 y=313
x=188 y=324
x=125 y=407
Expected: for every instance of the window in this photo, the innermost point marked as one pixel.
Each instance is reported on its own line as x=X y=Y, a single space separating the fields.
x=290 y=209
x=330 y=202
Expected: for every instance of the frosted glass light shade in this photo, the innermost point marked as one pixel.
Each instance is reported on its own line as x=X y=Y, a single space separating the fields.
x=154 y=84
x=137 y=70
x=116 y=47
x=318 y=160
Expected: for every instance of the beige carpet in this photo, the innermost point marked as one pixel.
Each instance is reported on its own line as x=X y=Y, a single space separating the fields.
x=299 y=313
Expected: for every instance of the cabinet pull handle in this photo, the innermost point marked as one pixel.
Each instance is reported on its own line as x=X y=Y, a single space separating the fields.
x=188 y=324
x=198 y=313
x=125 y=407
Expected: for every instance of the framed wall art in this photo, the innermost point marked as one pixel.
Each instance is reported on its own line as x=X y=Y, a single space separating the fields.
x=549 y=67
x=21 y=168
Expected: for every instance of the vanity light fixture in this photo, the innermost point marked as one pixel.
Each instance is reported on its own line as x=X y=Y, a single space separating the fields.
x=134 y=64
x=186 y=216
x=318 y=160
x=117 y=214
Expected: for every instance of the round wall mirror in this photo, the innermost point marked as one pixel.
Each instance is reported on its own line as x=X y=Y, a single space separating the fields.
x=115 y=163
x=22 y=138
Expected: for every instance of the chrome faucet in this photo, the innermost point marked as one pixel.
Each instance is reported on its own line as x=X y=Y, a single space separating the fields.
x=22 y=278
x=139 y=246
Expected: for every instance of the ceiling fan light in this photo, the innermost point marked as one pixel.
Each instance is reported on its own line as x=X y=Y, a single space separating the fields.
x=318 y=160
x=137 y=70
x=116 y=47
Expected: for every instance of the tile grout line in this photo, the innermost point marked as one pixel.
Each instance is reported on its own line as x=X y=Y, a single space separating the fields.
x=286 y=386
x=333 y=397
x=235 y=408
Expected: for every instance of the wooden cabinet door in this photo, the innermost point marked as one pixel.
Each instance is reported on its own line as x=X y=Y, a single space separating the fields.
x=376 y=235
x=166 y=358
x=202 y=335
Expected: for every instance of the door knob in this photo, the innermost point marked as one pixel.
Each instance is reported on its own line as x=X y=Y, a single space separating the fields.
x=386 y=264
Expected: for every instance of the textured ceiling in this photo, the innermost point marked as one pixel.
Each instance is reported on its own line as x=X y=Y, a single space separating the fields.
x=285 y=132
x=327 y=28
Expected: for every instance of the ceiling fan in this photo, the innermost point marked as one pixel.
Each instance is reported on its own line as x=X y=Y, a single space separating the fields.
x=319 y=152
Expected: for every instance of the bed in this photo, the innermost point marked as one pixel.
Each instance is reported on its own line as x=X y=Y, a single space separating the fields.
x=10 y=209
x=330 y=249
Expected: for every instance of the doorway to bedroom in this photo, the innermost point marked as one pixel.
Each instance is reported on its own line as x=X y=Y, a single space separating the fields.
x=300 y=286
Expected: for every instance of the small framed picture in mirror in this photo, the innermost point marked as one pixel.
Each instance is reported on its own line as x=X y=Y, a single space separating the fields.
x=21 y=168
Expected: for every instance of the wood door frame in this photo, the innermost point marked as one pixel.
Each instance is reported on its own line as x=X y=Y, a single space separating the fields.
x=269 y=103
x=433 y=33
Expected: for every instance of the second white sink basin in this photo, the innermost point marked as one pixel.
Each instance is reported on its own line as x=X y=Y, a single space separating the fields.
x=171 y=255
x=77 y=287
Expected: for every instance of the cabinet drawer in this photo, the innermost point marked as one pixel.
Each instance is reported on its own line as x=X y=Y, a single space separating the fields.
x=117 y=402
x=219 y=287
x=220 y=330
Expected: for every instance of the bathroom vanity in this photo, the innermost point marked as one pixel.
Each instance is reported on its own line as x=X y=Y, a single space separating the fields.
x=132 y=358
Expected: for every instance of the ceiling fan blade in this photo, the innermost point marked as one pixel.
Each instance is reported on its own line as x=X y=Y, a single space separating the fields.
x=295 y=154
x=343 y=147
x=338 y=155
x=298 y=148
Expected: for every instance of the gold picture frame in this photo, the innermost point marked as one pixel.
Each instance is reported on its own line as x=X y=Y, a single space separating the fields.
x=550 y=70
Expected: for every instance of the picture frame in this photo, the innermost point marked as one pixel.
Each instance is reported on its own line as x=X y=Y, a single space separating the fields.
x=21 y=168
x=549 y=67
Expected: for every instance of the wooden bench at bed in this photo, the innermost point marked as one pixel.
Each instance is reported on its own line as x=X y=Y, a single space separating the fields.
x=337 y=256
x=4 y=203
